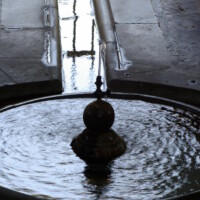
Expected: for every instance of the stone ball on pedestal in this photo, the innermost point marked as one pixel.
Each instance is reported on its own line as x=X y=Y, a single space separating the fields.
x=98 y=143
x=98 y=148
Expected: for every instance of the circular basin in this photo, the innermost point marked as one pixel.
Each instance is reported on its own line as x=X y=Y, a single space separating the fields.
x=162 y=159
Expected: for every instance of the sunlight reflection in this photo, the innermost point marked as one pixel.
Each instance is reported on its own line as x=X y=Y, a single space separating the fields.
x=79 y=39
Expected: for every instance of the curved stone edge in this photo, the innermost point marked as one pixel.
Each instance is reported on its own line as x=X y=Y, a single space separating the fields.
x=181 y=94
x=121 y=79
x=7 y=194
x=192 y=195
x=114 y=95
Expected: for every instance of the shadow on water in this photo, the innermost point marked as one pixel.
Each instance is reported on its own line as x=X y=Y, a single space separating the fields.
x=98 y=178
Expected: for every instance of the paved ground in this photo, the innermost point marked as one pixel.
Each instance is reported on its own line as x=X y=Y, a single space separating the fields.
x=29 y=49
x=152 y=46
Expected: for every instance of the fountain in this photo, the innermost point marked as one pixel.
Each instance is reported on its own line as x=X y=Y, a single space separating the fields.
x=38 y=139
x=152 y=151
x=98 y=143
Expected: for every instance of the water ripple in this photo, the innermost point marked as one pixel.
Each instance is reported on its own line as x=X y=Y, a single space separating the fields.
x=162 y=157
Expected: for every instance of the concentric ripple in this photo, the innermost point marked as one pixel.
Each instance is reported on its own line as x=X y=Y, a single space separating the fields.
x=162 y=157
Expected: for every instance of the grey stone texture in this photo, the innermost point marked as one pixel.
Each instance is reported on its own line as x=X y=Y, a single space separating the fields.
x=133 y=11
x=32 y=41
x=24 y=14
x=148 y=45
x=155 y=49
x=30 y=53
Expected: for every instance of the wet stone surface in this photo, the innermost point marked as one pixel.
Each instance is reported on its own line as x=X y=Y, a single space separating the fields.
x=30 y=49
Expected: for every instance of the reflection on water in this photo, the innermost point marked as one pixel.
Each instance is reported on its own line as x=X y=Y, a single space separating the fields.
x=162 y=157
x=79 y=45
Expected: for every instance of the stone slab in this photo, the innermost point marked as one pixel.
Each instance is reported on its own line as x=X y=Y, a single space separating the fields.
x=31 y=70
x=156 y=48
x=133 y=11
x=22 y=43
x=143 y=44
x=180 y=24
x=4 y=77
x=22 y=13
x=183 y=7
x=30 y=49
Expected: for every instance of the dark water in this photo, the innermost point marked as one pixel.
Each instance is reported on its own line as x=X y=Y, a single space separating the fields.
x=162 y=157
x=80 y=47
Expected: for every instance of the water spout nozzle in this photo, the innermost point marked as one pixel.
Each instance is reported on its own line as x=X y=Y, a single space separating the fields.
x=99 y=93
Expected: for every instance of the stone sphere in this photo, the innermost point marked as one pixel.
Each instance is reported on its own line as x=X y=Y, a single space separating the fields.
x=98 y=116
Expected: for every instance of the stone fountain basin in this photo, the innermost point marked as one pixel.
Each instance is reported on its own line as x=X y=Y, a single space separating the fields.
x=162 y=158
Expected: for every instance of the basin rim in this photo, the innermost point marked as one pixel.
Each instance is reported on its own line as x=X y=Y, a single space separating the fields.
x=114 y=95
